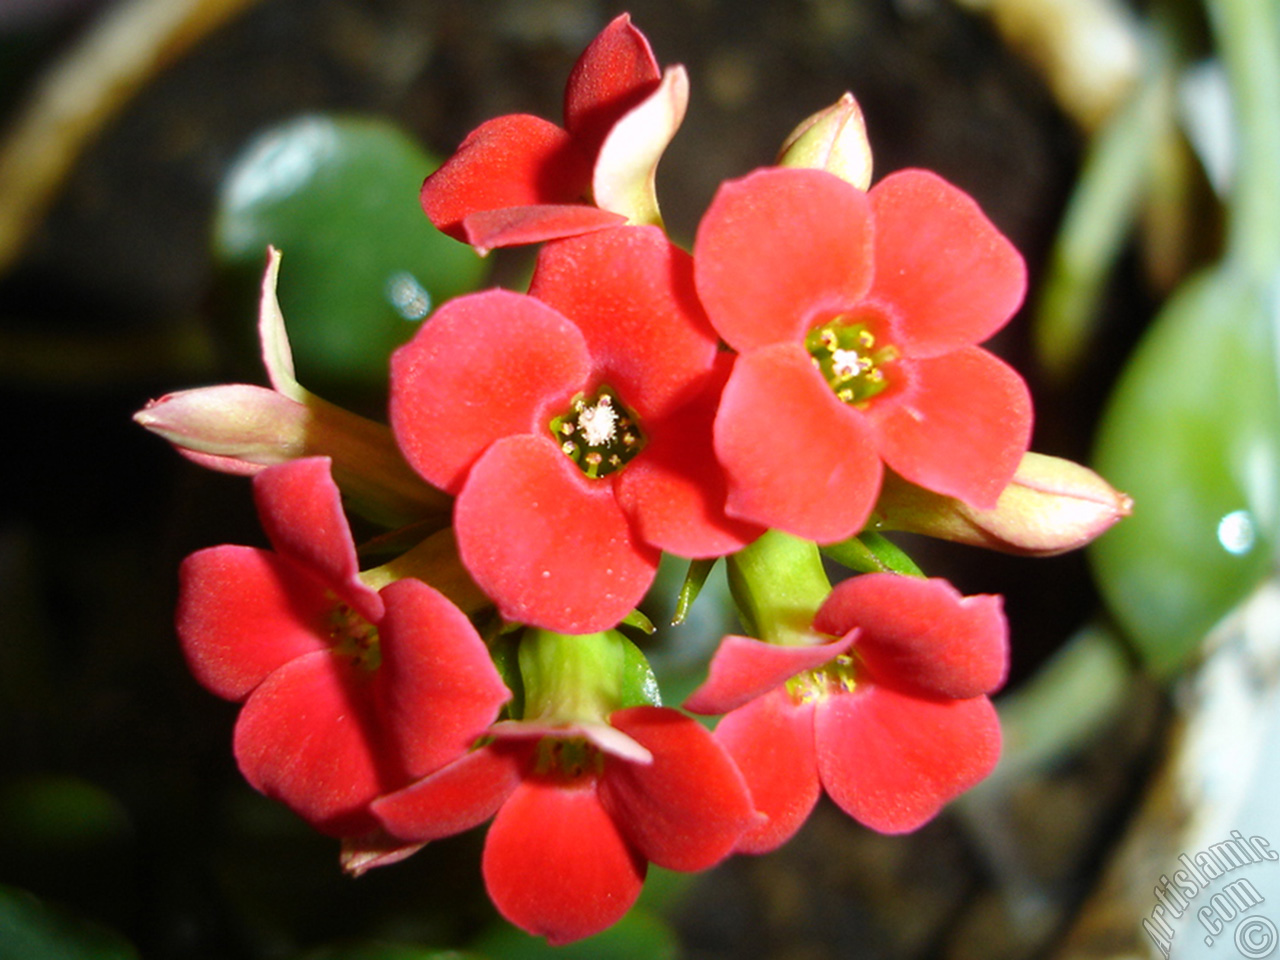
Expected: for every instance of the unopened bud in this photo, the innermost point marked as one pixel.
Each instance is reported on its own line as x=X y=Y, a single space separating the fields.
x=241 y=429
x=1051 y=506
x=835 y=140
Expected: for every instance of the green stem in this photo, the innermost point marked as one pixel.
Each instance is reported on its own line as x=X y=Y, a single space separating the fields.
x=778 y=584
x=1248 y=37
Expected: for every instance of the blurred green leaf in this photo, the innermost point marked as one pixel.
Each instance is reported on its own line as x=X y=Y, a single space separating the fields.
x=637 y=936
x=362 y=264
x=375 y=950
x=1192 y=433
x=31 y=929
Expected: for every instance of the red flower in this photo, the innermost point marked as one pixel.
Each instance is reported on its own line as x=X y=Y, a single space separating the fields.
x=348 y=693
x=856 y=316
x=891 y=718
x=569 y=424
x=580 y=812
x=519 y=179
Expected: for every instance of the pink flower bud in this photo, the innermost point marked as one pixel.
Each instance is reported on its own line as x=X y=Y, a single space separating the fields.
x=835 y=140
x=1051 y=506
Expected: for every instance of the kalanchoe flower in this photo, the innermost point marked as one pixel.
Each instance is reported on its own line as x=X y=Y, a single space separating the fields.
x=1051 y=506
x=885 y=708
x=856 y=316
x=564 y=422
x=518 y=179
x=348 y=692
x=241 y=429
x=583 y=796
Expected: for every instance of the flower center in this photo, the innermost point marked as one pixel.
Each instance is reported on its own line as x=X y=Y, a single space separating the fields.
x=849 y=358
x=837 y=676
x=567 y=758
x=598 y=433
x=355 y=637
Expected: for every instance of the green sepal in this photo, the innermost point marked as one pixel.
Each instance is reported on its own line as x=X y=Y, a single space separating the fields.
x=638 y=621
x=503 y=649
x=694 y=580
x=639 y=685
x=872 y=552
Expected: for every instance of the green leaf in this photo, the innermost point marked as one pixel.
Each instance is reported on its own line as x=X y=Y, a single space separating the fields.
x=637 y=936
x=1192 y=433
x=339 y=197
x=31 y=929
x=378 y=950
x=639 y=685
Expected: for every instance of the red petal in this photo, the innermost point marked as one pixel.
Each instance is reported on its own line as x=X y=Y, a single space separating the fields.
x=949 y=274
x=512 y=226
x=962 y=430
x=630 y=291
x=744 y=668
x=301 y=511
x=891 y=761
x=614 y=73
x=485 y=366
x=511 y=161
x=244 y=612
x=771 y=741
x=780 y=251
x=921 y=636
x=456 y=798
x=796 y=457
x=551 y=547
x=308 y=736
x=675 y=491
x=437 y=687
x=556 y=865
x=687 y=809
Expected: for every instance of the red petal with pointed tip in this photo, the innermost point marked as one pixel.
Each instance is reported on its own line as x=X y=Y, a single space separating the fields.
x=921 y=636
x=307 y=736
x=556 y=865
x=950 y=275
x=437 y=687
x=744 y=668
x=456 y=798
x=677 y=501
x=486 y=366
x=551 y=547
x=614 y=73
x=963 y=429
x=244 y=612
x=771 y=741
x=796 y=457
x=687 y=809
x=630 y=291
x=512 y=226
x=511 y=161
x=301 y=511
x=891 y=761
x=780 y=251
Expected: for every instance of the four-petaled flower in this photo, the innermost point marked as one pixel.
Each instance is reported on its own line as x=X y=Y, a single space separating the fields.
x=581 y=810
x=519 y=179
x=856 y=316
x=564 y=422
x=887 y=709
x=348 y=692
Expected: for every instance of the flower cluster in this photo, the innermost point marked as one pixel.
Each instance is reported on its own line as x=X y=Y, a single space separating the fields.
x=811 y=370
